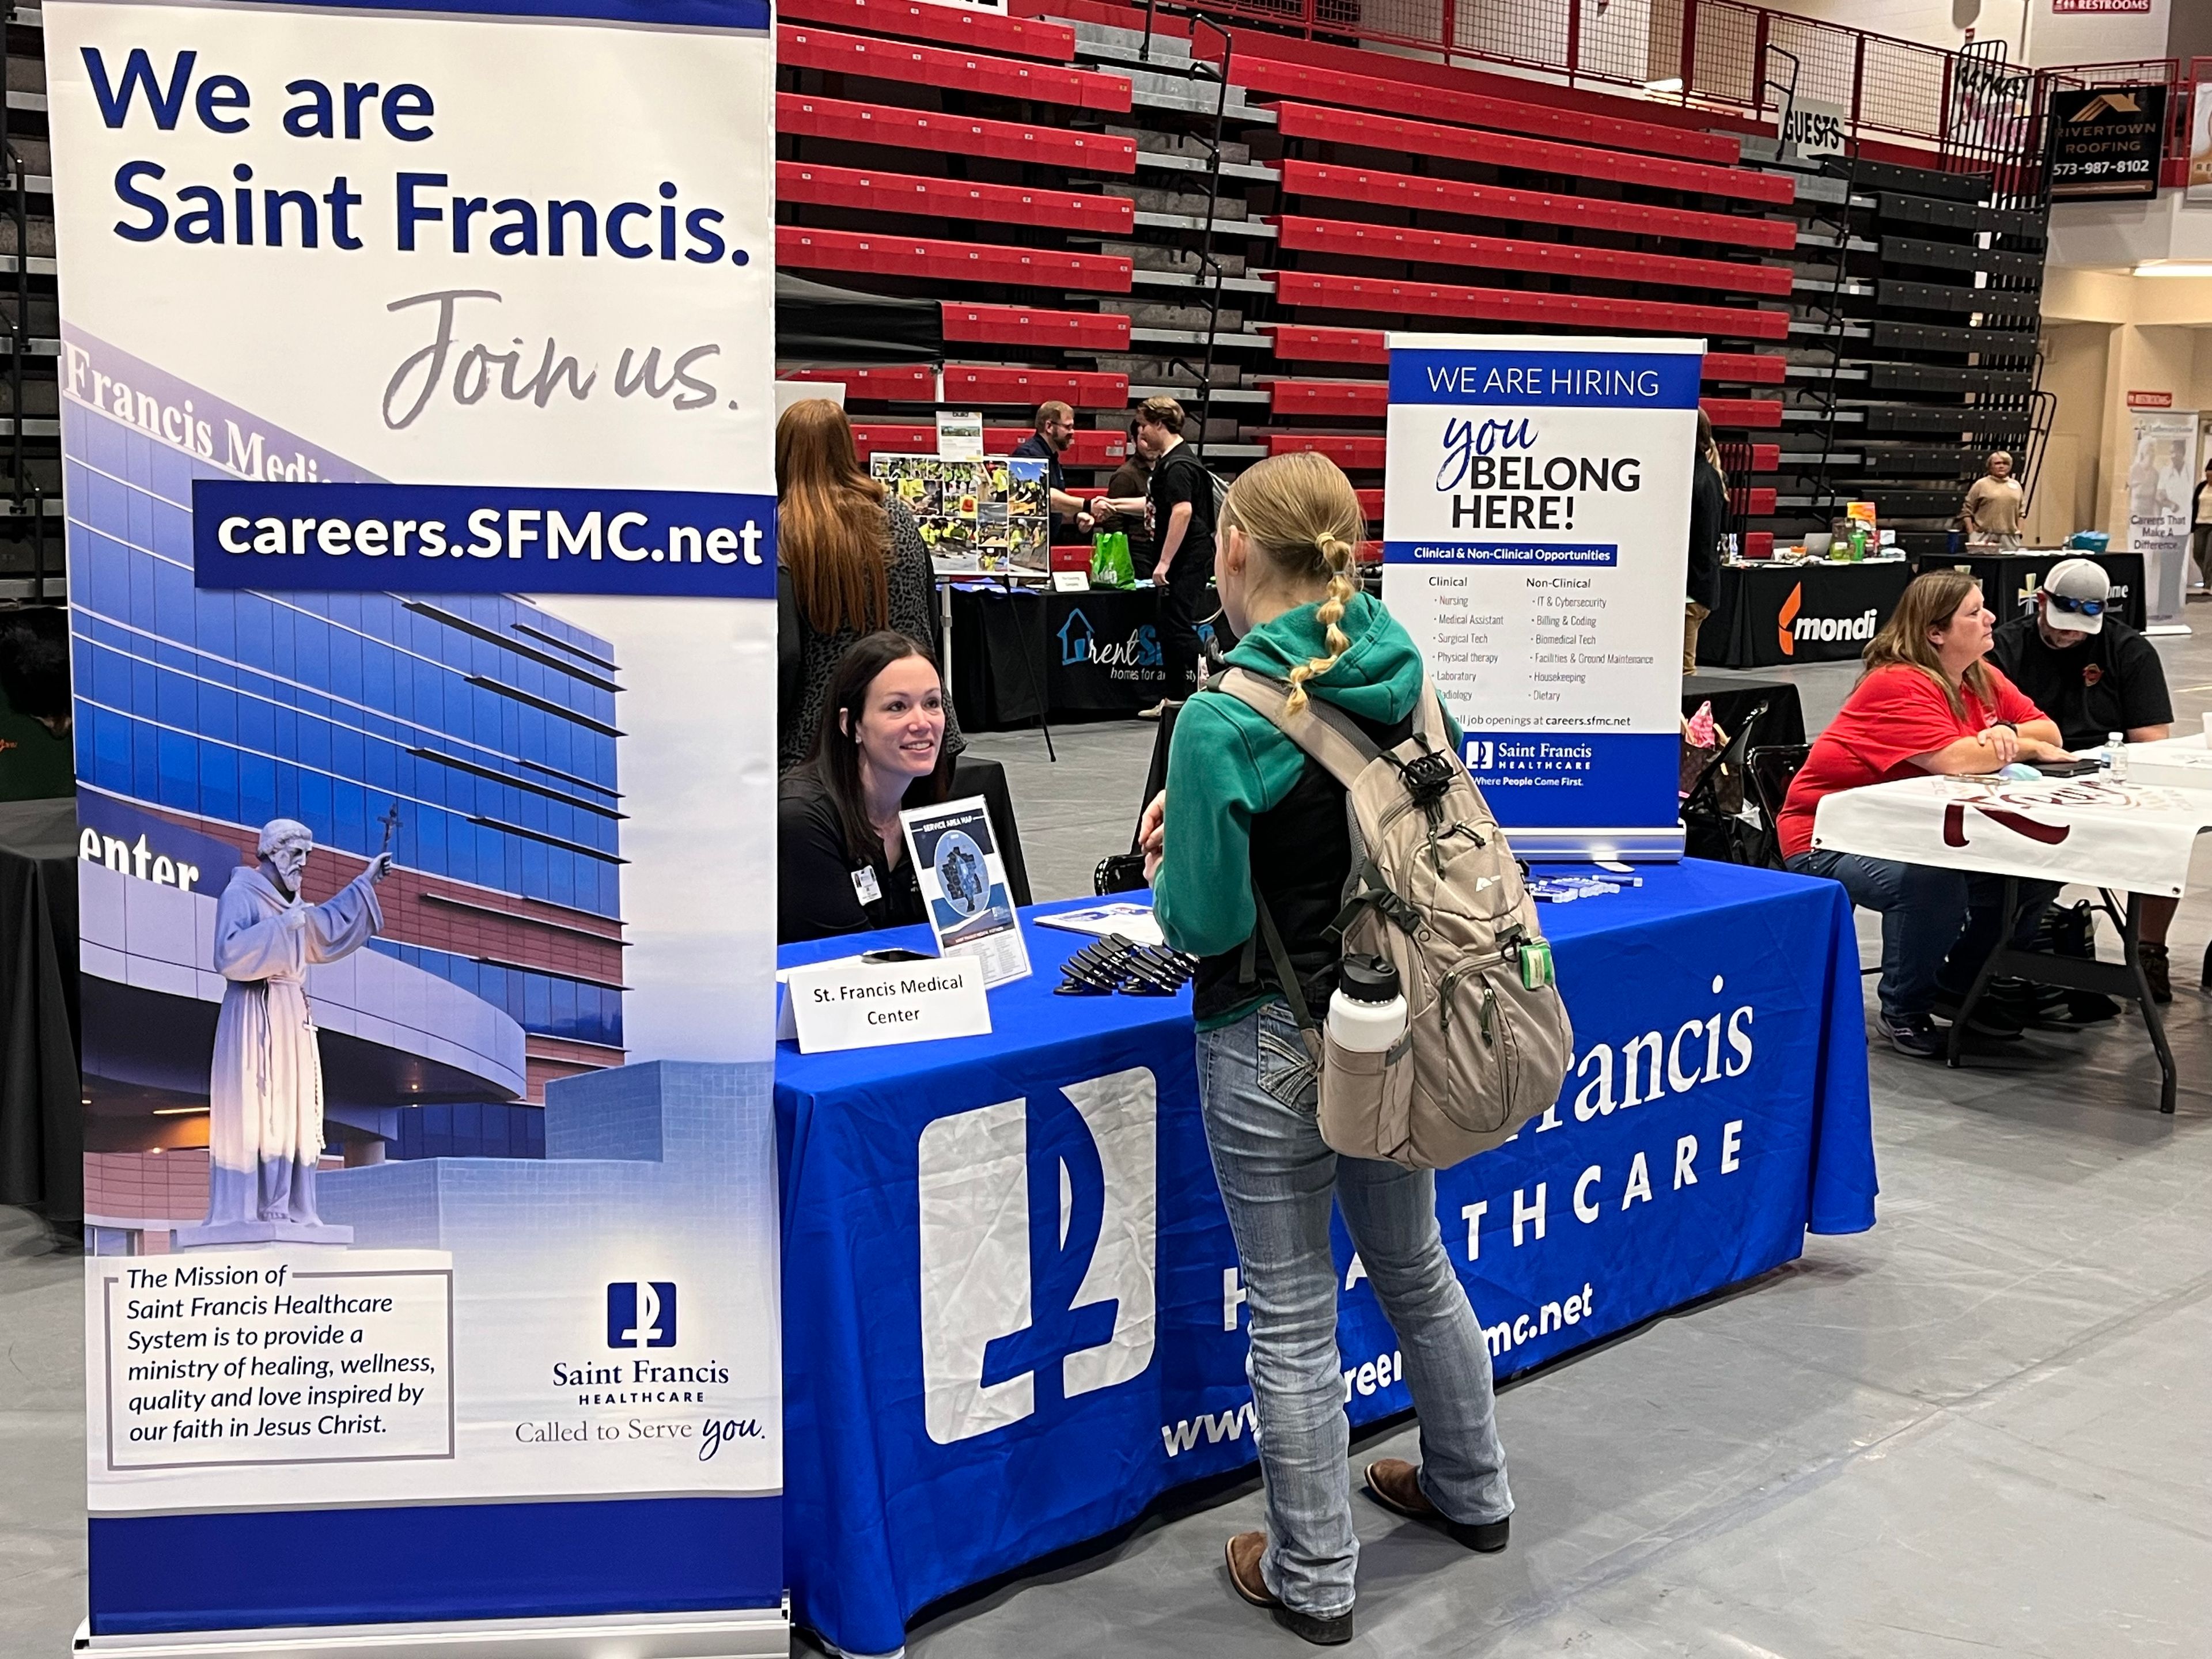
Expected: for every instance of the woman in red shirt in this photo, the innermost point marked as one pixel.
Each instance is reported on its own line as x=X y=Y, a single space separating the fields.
x=1928 y=702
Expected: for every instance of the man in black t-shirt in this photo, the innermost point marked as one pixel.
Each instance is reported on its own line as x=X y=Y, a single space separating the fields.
x=2093 y=675
x=1179 y=512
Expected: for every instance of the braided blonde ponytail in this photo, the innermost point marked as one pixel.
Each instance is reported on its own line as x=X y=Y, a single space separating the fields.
x=1336 y=554
x=1302 y=515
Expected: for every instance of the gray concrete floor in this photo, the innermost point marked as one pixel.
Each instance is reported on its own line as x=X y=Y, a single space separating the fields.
x=1985 y=1427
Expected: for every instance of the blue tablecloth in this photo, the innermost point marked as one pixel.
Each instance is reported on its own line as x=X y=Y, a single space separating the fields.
x=1718 y=1110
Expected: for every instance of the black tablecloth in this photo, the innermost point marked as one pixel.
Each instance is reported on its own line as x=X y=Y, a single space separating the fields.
x=41 y=1119
x=1018 y=655
x=1733 y=699
x=2008 y=579
x=1764 y=616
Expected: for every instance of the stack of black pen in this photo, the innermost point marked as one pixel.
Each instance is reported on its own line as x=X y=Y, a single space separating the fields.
x=1115 y=963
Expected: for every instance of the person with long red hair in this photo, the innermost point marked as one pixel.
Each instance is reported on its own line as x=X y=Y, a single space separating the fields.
x=850 y=562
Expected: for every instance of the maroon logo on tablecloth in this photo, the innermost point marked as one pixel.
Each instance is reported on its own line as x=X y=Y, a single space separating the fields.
x=1954 y=825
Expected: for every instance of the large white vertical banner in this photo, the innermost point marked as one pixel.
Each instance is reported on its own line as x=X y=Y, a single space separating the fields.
x=418 y=433
x=1536 y=509
x=2161 y=479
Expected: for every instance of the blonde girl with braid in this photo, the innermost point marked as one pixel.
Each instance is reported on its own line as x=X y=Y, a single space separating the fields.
x=1248 y=820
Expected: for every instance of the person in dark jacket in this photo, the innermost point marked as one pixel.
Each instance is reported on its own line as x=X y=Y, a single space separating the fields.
x=1709 y=506
x=2200 y=526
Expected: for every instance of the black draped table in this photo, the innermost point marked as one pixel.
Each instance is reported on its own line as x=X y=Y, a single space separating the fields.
x=1733 y=698
x=1767 y=615
x=41 y=1120
x=1019 y=652
x=2009 y=580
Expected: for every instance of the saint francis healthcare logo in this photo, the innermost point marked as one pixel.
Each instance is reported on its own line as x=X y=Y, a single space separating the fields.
x=642 y=1314
x=1038 y=1237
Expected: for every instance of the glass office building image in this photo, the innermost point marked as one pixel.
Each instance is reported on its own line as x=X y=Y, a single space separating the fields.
x=474 y=735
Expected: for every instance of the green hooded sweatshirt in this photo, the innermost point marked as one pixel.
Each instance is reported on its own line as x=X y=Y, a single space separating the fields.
x=1229 y=764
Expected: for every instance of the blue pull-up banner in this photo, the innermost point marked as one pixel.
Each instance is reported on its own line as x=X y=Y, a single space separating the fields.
x=1536 y=509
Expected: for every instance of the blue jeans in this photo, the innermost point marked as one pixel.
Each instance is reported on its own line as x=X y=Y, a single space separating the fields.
x=1938 y=926
x=1277 y=1178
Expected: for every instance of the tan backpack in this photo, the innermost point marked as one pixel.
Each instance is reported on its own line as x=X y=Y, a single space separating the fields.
x=1434 y=889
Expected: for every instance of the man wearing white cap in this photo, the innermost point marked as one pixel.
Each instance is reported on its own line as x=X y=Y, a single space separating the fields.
x=2094 y=675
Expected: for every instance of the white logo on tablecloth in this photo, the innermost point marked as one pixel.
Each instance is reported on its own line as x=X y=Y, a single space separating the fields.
x=1038 y=1243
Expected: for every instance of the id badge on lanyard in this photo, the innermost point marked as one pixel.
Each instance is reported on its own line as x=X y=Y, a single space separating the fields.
x=865 y=886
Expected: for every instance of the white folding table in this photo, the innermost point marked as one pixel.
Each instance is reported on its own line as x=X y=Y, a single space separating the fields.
x=2125 y=839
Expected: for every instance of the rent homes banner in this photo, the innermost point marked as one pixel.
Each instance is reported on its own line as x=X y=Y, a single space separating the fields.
x=417 y=433
x=1536 y=509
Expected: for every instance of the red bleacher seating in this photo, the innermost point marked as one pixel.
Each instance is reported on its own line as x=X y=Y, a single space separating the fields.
x=1303 y=342
x=1353 y=454
x=1395 y=133
x=1035 y=329
x=800 y=115
x=1742 y=367
x=883 y=383
x=1087 y=449
x=1370 y=294
x=1754 y=503
x=1273 y=77
x=1328 y=400
x=1759 y=544
x=798 y=247
x=1766 y=458
x=1374 y=187
x=1299 y=234
x=838 y=53
x=953 y=25
x=967 y=382
x=953 y=198
x=1741 y=411
x=1461 y=80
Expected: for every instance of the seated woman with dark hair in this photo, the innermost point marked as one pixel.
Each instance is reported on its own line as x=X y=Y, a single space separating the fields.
x=879 y=749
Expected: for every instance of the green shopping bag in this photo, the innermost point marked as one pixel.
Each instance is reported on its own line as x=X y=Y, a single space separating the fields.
x=1109 y=560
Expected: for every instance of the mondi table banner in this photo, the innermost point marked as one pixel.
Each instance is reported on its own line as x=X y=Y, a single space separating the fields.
x=417 y=427
x=1536 y=511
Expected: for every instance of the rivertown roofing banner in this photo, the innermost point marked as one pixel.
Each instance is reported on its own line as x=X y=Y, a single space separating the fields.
x=1536 y=510
x=417 y=426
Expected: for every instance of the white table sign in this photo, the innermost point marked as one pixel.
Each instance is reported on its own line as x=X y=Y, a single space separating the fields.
x=852 y=1003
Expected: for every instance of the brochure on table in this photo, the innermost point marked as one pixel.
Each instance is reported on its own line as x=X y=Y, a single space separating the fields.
x=417 y=421
x=1536 y=510
x=963 y=883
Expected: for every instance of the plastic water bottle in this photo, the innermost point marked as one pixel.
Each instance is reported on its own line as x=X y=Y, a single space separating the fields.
x=1367 y=1011
x=2116 y=755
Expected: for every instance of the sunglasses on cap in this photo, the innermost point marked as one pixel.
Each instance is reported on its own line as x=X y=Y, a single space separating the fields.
x=2074 y=607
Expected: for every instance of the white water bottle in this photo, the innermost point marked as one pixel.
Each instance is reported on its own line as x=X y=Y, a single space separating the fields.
x=2116 y=755
x=1367 y=1011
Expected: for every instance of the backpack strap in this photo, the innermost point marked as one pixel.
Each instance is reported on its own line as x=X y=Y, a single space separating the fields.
x=1331 y=737
x=1286 y=974
x=1429 y=723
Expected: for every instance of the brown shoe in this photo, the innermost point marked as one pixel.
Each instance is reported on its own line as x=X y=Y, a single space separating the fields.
x=1396 y=1484
x=1322 y=1630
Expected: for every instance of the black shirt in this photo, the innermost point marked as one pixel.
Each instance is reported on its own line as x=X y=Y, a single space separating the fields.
x=1177 y=477
x=1709 y=506
x=815 y=892
x=2111 y=682
x=1301 y=856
